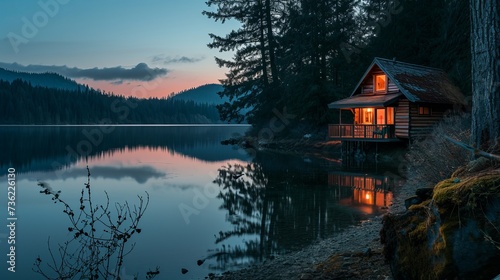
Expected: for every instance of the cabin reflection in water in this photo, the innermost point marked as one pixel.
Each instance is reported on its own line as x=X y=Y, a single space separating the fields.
x=369 y=193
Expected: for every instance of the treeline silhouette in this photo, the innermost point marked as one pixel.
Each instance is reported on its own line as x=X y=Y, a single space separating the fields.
x=22 y=103
x=47 y=79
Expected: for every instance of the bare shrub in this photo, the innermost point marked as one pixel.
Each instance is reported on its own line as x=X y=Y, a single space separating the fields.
x=99 y=238
x=434 y=159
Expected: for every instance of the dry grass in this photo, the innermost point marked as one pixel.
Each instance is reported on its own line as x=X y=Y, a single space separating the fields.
x=434 y=159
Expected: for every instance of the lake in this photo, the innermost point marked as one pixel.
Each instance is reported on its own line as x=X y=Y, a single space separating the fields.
x=224 y=205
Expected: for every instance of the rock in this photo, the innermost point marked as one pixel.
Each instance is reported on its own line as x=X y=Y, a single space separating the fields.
x=184 y=271
x=478 y=164
x=412 y=201
x=451 y=237
x=424 y=193
x=199 y=262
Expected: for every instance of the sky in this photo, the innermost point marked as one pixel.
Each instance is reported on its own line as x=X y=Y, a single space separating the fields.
x=146 y=48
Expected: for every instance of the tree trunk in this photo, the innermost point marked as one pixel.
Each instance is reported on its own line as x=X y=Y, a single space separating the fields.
x=262 y=41
x=485 y=48
x=271 y=44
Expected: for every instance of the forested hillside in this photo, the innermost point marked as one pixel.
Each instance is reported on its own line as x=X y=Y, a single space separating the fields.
x=22 y=103
x=203 y=94
x=50 y=80
x=303 y=55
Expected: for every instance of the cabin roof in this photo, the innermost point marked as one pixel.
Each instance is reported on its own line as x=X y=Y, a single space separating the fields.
x=366 y=100
x=417 y=83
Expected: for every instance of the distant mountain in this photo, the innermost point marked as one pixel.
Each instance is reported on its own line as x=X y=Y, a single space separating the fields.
x=23 y=103
x=203 y=94
x=48 y=80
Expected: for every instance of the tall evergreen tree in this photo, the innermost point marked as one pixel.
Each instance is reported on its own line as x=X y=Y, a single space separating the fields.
x=253 y=76
x=312 y=56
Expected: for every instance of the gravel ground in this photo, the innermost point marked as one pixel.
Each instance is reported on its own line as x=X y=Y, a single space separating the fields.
x=354 y=253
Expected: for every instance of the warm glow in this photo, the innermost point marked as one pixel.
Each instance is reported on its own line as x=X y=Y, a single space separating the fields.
x=381 y=116
x=424 y=110
x=367 y=196
x=366 y=116
x=390 y=115
x=380 y=82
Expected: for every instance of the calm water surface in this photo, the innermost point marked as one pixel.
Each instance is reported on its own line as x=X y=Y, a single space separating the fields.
x=212 y=202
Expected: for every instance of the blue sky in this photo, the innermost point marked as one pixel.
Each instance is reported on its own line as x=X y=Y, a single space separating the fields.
x=121 y=36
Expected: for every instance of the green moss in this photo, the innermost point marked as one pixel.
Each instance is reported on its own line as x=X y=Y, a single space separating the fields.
x=468 y=193
x=456 y=200
x=421 y=206
x=423 y=237
x=459 y=171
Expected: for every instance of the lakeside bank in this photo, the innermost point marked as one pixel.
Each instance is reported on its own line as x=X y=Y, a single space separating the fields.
x=358 y=253
x=353 y=253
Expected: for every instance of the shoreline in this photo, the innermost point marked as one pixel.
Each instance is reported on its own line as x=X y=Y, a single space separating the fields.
x=342 y=256
x=353 y=253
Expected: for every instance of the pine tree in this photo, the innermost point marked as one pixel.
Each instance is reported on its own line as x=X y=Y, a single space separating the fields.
x=312 y=55
x=253 y=77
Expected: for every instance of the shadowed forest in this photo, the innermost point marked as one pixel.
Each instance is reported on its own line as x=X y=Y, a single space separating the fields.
x=303 y=55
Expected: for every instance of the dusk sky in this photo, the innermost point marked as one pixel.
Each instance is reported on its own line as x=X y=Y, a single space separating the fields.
x=114 y=45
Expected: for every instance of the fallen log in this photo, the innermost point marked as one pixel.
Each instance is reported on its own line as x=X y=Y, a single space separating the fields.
x=476 y=152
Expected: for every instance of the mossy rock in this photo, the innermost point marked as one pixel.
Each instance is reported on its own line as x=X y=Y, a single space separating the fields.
x=407 y=240
x=453 y=235
x=468 y=194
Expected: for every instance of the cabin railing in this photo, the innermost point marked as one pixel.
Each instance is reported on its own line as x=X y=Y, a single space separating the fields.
x=355 y=131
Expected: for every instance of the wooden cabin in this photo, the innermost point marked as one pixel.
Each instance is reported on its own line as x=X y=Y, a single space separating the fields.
x=395 y=101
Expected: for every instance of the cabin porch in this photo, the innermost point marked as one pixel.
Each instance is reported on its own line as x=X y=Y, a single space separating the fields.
x=357 y=132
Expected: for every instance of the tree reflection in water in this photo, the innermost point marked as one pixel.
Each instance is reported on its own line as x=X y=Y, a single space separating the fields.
x=276 y=210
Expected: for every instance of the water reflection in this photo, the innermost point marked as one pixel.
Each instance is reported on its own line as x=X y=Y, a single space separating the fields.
x=276 y=210
x=268 y=204
x=367 y=192
x=140 y=174
x=45 y=148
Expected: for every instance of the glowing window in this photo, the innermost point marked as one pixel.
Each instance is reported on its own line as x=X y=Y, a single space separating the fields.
x=390 y=115
x=424 y=110
x=367 y=115
x=380 y=82
x=380 y=116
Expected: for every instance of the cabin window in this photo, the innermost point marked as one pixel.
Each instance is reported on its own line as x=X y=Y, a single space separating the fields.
x=385 y=115
x=424 y=110
x=381 y=116
x=390 y=115
x=380 y=82
x=367 y=115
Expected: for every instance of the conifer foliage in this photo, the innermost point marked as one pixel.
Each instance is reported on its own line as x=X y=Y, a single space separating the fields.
x=303 y=54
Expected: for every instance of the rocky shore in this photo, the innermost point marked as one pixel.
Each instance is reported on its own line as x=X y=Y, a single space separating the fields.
x=355 y=253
